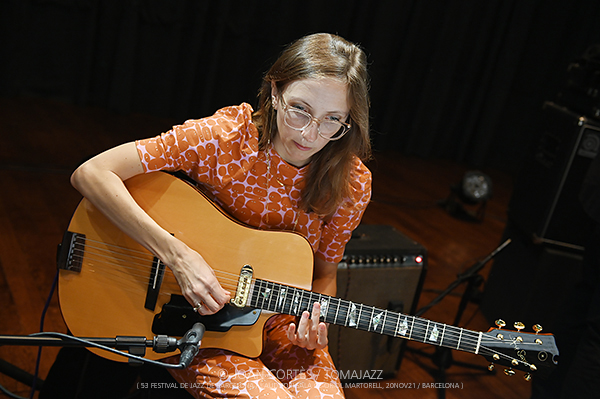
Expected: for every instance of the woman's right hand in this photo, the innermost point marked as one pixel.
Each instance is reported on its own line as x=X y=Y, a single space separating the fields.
x=197 y=280
x=100 y=180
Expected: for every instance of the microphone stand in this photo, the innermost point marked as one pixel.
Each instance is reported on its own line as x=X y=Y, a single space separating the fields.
x=442 y=357
x=136 y=346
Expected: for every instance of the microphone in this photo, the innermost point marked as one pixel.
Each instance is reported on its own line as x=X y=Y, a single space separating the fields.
x=189 y=344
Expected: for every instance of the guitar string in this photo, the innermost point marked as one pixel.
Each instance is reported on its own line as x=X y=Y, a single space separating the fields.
x=418 y=325
x=141 y=272
x=483 y=348
x=362 y=318
x=132 y=261
x=465 y=336
x=366 y=319
x=126 y=282
x=144 y=257
x=123 y=274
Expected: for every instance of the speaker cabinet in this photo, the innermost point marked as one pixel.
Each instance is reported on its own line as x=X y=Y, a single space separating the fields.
x=382 y=268
x=545 y=203
x=530 y=282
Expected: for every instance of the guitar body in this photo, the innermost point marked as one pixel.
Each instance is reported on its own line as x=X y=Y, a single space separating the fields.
x=110 y=286
x=106 y=297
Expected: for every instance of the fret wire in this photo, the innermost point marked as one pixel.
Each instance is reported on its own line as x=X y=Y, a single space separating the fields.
x=442 y=337
x=388 y=323
x=261 y=298
x=306 y=299
x=265 y=294
x=371 y=319
x=287 y=303
x=348 y=313
x=337 y=310
x=418 y=331
x=385 y=313
x=302 y=306
x=359 y=314
x=331 y=313
x=280 y=297
x=311 y=301
x=256 y=293
x=272 y=299
x=478 y=343
x=457 y=338
x=344 y=313
x=301 y=303
x=261 y=301
x=296 y=302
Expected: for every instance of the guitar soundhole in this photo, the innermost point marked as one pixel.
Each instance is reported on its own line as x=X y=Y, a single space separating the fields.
x=177 y=317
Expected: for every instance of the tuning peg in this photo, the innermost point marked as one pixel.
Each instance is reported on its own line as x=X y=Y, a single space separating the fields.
x=509 y=372
x=491 y=367
x=500 y=323
x=527 y=377
x=537 y=328
x=519 y=326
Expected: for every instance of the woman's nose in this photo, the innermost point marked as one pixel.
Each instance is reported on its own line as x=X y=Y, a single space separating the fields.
x=311 y=132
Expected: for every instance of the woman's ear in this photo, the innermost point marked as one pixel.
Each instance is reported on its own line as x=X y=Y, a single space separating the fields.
x=274 y=91
x=274 y=94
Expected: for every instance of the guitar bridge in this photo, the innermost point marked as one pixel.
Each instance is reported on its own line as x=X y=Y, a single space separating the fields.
x=243 y=289
x=70 y=252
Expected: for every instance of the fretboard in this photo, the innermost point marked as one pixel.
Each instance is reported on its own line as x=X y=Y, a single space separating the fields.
x=293 y=301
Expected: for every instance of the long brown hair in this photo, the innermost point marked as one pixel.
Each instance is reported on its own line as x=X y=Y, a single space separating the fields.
x=330 y=170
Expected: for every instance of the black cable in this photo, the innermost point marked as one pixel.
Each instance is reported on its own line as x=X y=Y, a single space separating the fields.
x=10 y=394
x=42 y=319
x=106 y=348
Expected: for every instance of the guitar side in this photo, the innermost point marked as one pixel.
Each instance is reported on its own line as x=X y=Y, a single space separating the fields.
x=106 y=297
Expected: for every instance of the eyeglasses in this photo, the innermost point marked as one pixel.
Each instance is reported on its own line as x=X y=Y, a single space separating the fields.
x=330 y=128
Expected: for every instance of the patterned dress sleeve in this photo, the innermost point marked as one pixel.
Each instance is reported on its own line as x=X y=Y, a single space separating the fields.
x=209 y=150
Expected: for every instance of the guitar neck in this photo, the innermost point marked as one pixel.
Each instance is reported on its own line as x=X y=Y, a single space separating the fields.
x=280 y=298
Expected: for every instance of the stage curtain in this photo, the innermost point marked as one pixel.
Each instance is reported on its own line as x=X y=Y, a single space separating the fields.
x=463 y=80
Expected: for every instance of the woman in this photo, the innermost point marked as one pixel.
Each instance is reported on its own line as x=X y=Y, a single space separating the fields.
x=294 y=164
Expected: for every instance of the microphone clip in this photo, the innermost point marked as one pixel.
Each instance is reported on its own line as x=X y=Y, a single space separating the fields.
x=189 y=344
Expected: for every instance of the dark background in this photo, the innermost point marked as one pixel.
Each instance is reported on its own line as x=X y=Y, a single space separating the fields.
x=463 y=80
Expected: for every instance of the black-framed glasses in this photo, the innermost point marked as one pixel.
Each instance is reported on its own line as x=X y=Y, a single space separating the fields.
x=330 y=128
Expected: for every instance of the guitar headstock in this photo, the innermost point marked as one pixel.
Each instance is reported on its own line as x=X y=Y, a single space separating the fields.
x=534 y=353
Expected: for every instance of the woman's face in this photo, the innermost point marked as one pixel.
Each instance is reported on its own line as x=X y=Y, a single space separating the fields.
x=322 y=98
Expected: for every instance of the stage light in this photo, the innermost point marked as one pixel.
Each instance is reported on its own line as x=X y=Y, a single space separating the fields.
x=473 y=191
x=476 y=187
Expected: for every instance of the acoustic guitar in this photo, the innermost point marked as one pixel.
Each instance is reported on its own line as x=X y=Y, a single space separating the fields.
x=110 y=286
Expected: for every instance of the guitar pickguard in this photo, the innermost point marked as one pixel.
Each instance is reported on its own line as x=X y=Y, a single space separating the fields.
x=177 y=317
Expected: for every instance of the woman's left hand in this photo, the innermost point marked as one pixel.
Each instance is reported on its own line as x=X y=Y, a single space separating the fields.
x=310 y=333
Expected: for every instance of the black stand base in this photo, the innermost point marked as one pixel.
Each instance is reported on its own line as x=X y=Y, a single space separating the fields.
x=443 y=360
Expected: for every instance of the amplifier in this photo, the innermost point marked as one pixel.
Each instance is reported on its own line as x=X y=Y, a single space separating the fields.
x=545 y=201
x=383 y=268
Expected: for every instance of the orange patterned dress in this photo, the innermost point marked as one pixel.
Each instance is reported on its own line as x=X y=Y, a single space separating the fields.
x=262 y=190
